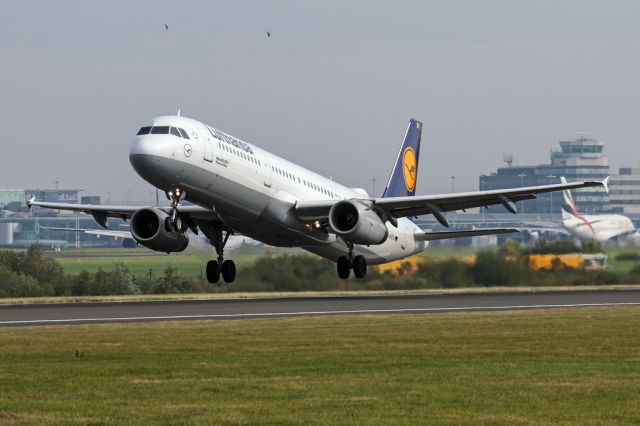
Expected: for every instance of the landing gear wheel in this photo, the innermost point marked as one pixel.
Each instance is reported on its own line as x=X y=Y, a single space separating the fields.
x=228 y=271
x=226 y=268
x=179 y=225
x=213 y=271
x=359 y=266
x=344 y=268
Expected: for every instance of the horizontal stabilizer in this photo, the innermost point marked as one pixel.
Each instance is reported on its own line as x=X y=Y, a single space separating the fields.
x=430 y=236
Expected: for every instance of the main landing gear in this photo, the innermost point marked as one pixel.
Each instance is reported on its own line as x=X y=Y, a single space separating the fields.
x=349 y=262
x=226 y=268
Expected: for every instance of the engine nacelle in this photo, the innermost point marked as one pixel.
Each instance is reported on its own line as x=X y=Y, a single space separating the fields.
x=147 y=228
x=354 y=222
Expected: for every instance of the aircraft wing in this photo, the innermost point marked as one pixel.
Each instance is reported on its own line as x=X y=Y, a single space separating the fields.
x=430 y=236
x=100 y=213
x=98 y=232
x=437 y=205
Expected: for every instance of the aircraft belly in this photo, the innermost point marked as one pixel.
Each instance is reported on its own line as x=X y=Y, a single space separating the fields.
x=392 y=249
x=254 y=213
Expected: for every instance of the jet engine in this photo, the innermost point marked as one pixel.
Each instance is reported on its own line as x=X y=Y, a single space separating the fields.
x=356 y=223
x=148 y=229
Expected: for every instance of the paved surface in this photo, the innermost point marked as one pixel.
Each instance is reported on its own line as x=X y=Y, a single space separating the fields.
x=78 y=313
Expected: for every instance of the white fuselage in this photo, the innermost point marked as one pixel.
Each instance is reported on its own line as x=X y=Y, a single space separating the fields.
x=254 y=191
x=598 y=227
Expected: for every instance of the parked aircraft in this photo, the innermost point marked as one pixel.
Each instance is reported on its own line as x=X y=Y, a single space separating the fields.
x=600 y=227
x=237 y=187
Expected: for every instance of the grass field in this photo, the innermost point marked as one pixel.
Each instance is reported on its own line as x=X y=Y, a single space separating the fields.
x=577 y=366
x=140 y=262
x=620 y=266
x=188 y=265
x=192 y=265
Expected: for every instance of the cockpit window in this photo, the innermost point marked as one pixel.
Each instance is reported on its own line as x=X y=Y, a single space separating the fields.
x=174 y=131
x=184 y=133
x=160 y=130
x=144 y=130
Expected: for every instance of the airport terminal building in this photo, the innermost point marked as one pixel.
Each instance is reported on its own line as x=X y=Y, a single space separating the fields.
x=580 y=159
x=21 y=228
x=624 y=192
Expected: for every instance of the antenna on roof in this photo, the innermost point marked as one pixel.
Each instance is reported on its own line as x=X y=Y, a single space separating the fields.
x=582 y=136
x=178 y=113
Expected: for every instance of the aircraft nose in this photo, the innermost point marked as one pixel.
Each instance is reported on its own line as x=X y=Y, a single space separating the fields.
x=144 y=153
x=144 y=146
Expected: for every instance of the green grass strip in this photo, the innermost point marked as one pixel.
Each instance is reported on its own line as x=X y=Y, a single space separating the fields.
x=579 y=366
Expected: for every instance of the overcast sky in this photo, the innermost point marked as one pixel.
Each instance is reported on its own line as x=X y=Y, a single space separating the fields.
x=333 y=88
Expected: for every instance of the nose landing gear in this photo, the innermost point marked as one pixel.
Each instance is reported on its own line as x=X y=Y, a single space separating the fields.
x=175 y=222
x=226 y=268
x=347 y=263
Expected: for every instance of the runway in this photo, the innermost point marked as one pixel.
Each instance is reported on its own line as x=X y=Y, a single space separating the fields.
x=83 y=313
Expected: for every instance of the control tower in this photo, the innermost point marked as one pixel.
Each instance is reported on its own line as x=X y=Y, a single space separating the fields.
x=577 y=160
x=581 y=159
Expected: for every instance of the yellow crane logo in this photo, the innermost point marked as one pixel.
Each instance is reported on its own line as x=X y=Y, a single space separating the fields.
x=409 y=168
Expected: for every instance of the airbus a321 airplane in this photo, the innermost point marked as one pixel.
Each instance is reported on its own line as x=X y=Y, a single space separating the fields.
x=234 y=186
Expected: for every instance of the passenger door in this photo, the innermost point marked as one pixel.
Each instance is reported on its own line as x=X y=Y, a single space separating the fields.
x=207 y=141
x=267 y=174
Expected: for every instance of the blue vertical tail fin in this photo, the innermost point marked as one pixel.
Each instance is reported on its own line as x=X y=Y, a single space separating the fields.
x=404 y=175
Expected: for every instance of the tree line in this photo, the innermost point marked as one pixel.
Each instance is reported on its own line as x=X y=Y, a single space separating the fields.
x=31 y=274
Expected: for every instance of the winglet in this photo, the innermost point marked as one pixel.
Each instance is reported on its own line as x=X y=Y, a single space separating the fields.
x=605 y=183
x=30 y=202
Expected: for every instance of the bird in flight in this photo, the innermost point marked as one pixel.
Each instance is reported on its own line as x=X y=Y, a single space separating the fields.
x=268 y=33
x=166 y=27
